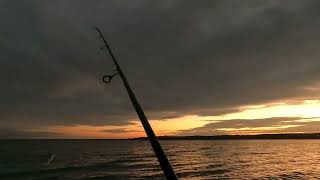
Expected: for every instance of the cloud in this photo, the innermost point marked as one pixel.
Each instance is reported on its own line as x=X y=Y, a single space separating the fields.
x=120 y=130
x=257 y=126
x=6 y=133
x=180 y=57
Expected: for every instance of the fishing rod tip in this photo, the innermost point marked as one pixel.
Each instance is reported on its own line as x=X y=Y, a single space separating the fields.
x=95 y=28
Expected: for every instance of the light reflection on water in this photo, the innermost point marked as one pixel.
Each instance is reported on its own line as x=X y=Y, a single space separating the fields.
x=99 y=159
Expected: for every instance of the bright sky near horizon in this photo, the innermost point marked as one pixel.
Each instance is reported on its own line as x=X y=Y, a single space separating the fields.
x=304 y=112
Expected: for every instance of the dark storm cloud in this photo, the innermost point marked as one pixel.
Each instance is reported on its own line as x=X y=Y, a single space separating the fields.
x=257 y=126
x=182 y=57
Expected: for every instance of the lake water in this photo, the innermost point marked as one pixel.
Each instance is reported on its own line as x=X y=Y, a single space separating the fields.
x=122 y=159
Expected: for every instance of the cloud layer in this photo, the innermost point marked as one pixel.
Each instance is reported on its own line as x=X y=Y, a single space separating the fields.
x=181 y=58
x=257 y=126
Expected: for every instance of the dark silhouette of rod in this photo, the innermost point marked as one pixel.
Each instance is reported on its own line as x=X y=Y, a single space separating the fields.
x=162 y=158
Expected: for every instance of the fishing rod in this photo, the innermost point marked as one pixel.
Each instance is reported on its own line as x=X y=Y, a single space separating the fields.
x=162 y=158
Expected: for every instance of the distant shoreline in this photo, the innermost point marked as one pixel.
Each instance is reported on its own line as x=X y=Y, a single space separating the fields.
x=198 y=137
x=244 y=137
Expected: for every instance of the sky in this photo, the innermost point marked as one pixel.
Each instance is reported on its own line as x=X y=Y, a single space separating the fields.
x=197 y=67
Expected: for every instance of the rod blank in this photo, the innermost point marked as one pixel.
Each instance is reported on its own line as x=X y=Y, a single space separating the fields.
x=162 y=158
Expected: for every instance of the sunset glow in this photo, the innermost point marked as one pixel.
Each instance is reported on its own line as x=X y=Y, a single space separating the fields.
x=305 y=109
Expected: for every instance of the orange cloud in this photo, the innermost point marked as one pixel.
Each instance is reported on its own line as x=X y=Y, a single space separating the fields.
x=302 y=112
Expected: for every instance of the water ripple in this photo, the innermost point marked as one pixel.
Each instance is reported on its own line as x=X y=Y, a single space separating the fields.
x=89 y=159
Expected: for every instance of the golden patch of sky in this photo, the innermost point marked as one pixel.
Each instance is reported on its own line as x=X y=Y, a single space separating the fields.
x=303 y=109
x=254 y=129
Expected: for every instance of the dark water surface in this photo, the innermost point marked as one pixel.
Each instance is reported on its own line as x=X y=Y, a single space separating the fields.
x=121 y=159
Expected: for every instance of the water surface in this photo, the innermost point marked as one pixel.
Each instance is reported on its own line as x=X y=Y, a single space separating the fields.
x=192 y=159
